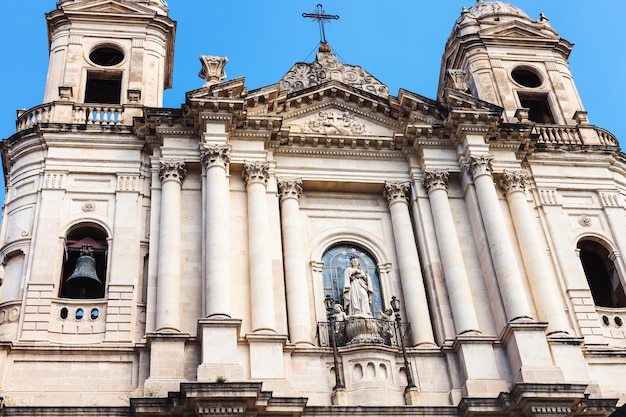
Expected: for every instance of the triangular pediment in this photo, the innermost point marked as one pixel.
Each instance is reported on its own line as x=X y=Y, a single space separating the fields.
x=519 y=30
x=108 y=7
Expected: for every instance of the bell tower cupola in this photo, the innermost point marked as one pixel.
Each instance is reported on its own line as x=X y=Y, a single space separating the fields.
x=499 y=54
x=113 y=52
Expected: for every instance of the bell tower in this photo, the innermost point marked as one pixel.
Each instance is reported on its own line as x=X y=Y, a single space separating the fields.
x=498 y=54
x=110 y=52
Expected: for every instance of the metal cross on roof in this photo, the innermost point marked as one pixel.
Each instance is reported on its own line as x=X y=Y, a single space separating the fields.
x=321 y=17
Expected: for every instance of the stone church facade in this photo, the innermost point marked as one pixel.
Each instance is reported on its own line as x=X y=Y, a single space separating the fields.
x=314 y=247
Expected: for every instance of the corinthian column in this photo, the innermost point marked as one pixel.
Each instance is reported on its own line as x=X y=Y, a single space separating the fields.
x=298 y=308
x=216 y=234
x=414 y=293
x=457 y=282
x=502 y=256
x=172 y=174
x=542 y=280
x=256 y=175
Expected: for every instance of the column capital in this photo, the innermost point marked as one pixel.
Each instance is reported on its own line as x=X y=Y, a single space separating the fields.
x=215 y=155
x=397 y=191
x=513 y=181
x=256 y=172
x=290 y=189
x=172 y=170
x=479 y=165
x=436 y=180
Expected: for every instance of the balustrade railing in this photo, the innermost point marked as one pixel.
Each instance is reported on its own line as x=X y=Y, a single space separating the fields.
x=29 y=118
x=86 y=114
x=606 y=137
x=355 y=331
x=558 y=134
x=92 y=114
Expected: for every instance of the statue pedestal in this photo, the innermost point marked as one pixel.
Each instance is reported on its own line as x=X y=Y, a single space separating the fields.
x=363 y=330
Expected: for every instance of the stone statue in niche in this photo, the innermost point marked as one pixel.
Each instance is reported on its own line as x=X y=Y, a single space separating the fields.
x=357 y=290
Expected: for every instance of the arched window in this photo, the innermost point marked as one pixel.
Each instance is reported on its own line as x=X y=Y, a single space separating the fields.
x=85 y=263
x=604 y=282
x=336 y=259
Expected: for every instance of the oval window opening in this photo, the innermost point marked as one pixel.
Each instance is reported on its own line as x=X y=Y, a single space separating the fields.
x=63 y=313
x=106 y=56
x=526 y=77
x=79 y=314
x=94 y=314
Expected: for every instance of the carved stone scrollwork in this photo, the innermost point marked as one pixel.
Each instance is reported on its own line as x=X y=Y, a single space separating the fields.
x=436 y=180
x=331 y=122
x=513 y=181
x=256 y=172
x=458 y=79
x=479 y=165
x=172 y=170
x=212 y=69
x=290 y=189
x=216 y=155
x=397 y=191
x=327 y=68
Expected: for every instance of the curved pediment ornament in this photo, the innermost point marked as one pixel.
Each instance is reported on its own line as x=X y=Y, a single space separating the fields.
x=330 y=122
x=326 y=68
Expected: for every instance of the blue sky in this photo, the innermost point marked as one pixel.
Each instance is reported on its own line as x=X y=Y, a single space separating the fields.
x=400 y=42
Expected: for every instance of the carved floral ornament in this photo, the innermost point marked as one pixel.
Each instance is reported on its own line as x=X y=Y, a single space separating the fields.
x=172 y=170
x=290 y=188
x=216 y=155
x=397 y=191
x=479 y=165
x=513 y=181
x=329 y=122
x=436 y=180
x=256 y=172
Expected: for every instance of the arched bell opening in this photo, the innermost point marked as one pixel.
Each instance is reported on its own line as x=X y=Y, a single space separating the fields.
x=604 y=281
x=84 y=267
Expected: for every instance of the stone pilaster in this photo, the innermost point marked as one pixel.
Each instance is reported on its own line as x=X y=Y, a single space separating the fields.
x=397 y=195
x=216 y=160
x=298 y=307
x=172 y=174
x=548 y=303
x=457 y=281
x=256 y=175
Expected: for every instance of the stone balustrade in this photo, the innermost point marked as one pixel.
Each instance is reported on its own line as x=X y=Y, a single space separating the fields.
x=84 y=114
x=558 y=134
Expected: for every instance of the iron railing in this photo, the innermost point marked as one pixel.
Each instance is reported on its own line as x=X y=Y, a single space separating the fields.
x=359 y=331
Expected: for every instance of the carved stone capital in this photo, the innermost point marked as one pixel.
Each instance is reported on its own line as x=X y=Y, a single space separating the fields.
x=172 y=170
x=513 y=181
x=397 y=191
x=436 y=180
x=479 y=165
x=212 y=69
x=216 y=155
x=256 y=172
x=458 y=79
x=290 y=189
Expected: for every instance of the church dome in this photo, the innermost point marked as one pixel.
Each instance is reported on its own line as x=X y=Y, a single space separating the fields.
x=492 y=8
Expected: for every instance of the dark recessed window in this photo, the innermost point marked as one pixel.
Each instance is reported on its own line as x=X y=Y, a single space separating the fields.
x=526 y=77
x=106 y=56
x=538 y=107
x=604 y=281
x=103 y=87
x=79 y=314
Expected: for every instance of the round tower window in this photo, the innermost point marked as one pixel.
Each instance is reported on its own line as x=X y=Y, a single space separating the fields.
x=106 y=56
x=526 y=77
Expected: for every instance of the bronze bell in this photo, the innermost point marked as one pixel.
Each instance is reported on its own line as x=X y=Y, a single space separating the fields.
x=84 y=281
